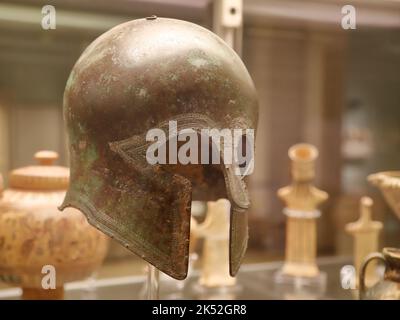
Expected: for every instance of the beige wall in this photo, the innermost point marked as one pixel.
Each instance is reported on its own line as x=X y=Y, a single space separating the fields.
x=299 y=78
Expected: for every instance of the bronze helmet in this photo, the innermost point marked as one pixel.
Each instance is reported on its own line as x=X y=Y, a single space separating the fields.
x=137 y=76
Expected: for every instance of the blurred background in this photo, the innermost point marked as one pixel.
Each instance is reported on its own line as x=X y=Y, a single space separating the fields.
x=317 y=83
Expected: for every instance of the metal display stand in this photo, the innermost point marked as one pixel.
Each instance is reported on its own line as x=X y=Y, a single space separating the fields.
x=153 y=283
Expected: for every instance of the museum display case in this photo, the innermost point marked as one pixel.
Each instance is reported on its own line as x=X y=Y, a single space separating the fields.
x=303 y=203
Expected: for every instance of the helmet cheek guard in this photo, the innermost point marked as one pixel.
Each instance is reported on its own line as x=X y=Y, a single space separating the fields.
x=159 y=216
x=124 y=85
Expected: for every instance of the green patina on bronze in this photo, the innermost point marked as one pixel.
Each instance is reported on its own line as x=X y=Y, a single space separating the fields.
x=129 y=80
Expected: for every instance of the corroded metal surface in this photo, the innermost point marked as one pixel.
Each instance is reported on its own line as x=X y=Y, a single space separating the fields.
x=135 y=77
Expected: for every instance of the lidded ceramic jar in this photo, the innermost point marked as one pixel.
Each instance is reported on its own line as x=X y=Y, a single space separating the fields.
x=35 y=234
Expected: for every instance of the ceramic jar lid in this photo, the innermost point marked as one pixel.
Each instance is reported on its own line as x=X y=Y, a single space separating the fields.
x=44 y=176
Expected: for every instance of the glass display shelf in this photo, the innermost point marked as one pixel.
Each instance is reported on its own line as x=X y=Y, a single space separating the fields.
x=254 y=282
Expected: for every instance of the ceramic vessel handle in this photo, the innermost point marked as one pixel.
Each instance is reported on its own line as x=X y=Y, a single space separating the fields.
x=368 y=259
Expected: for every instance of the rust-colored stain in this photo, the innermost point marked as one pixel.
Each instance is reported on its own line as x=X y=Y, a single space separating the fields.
x=26 y=247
